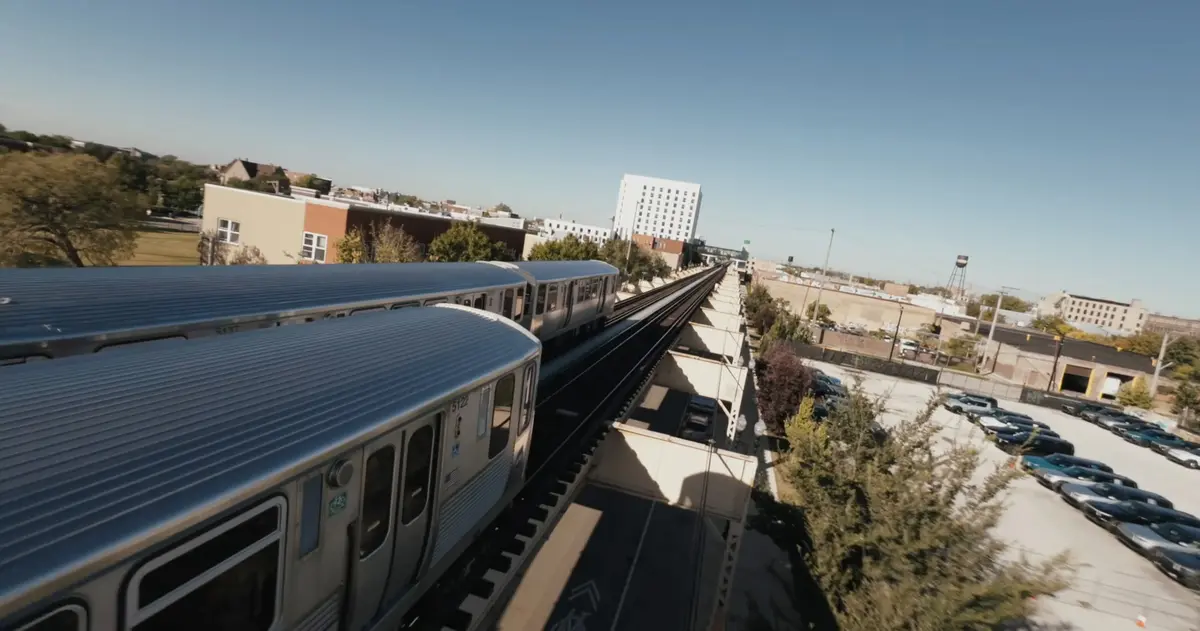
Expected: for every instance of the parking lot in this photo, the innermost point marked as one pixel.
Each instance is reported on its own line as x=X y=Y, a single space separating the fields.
x=1114 y=585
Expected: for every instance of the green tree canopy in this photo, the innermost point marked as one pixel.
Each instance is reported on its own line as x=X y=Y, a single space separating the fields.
x=382 y=242
x=821 y=311
x=568 y=248
x=896 y=527
x=636 y=264
x=65 y=207
x=1187 y=397
x=1007 y=303
x=1135 y=394
x=465 y=242
x=502 y=208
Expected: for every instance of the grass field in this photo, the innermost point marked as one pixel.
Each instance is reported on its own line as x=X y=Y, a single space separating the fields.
x=165 y=248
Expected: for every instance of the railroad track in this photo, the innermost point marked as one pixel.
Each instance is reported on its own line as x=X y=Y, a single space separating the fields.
x=570 y=421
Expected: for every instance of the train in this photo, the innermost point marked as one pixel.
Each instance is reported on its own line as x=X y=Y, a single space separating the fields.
x=51 y=313
x=307 y=478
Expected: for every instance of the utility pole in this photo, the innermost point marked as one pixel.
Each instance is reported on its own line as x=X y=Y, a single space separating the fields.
x=897 y=335
x=1054 y=368
x=995 y=321
x=824 y=273
x=1158 y=366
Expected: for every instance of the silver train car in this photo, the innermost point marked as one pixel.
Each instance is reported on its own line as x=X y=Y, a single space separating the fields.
x=50 y=313
x=569 y=297
x=310 y=478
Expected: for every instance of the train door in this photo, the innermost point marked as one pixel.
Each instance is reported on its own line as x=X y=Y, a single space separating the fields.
x=371 y=558
x=570 y=300
x=414 y=494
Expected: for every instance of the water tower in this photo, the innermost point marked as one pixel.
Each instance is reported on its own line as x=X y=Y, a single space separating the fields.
x=957 y=284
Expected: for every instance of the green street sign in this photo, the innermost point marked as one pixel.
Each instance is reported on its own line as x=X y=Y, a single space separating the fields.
x=746 y=242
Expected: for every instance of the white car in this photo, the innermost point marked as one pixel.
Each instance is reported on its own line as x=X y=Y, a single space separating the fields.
x=970 y=405
x=1155 y=536
x=1082 y=476
x=1079 y=494
x=1189 y=458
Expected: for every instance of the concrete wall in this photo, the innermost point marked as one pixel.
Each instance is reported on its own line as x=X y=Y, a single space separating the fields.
x=326 y=219
x=706 y=377
x=273 y=224
x=1033 y=370
x=711 y=340
x=860 y=344
x=872 y=313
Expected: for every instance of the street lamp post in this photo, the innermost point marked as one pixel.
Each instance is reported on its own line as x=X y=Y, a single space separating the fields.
x=897 y=334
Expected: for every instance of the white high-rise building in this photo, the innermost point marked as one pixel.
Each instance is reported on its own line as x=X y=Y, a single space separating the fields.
x=558 y=228
x=667 y=209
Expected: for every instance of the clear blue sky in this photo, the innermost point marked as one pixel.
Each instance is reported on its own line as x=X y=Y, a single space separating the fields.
x=1056 y=143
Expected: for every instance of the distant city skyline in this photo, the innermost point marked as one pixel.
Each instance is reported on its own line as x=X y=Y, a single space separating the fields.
x=1054 y=143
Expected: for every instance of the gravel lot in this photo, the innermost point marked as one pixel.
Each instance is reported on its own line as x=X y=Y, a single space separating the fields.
x=1113 y=585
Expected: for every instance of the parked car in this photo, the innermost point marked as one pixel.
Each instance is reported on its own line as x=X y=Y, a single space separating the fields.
x=1108 y=417
x=697 y=419
x=1189 y=458
x=1181 y=565
x=1163 y=448
x=1093 y=415
x=1009 y=430
x=998 y=422
x=971 y=405
x=1033 y=444
x=1120 y=426
x=1109 y=514
x=1146 y=538
x=1061 y=461
x=1079 y=495
x=1079 y=409
x=1151 y=437
x=824 y=376
x=1055 y=478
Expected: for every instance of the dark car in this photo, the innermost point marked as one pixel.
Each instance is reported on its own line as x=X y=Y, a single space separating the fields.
x=1181 y=565
x=1108 y=515
x=1117 y=425
x=1019 y=429
x=1079 y=409
x=1062 y=461
x=1095 y=416
x=1149 y=438
x=1080 y=495
x=1032 y=444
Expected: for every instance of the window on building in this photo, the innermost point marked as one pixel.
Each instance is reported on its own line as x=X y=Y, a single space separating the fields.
x=229 y=231
x=314 y=247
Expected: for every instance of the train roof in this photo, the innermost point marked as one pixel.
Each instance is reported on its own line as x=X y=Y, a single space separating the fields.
x=58 y=303
x=104 y=453
x=551 y=271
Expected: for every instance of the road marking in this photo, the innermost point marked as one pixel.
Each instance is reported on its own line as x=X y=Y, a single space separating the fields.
x=637 y=553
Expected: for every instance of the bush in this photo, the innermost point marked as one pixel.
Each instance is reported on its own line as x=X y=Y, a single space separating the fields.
x=783 y=382
x=889 y=529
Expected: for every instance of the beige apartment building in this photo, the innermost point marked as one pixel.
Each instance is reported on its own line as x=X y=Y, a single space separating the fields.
x=1122 y=317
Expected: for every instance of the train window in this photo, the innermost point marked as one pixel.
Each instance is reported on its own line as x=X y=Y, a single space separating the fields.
x=540 y=305
x=140 y=342
x=418 y=465
x=310 y=514
x=527 y=399
x=552 y=298
x=378 y=478
x=226 y=578
x=481 y=423
x=434 y=301
x=508 y=303
x=367 y=310
x=64 y=618
x=481 y=301
x=501 y=414
x=405 y=305
x=519 y=303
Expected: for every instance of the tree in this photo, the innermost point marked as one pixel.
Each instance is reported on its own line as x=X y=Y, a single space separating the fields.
x=464 y=242
x=568 y=248
x=68 y=207
x=1187 y=397
x=1135 y=394
x=1007 y=303
x=821 y=310
x=787 y=327
x=502 y=208
x=1052 y=324
x=213 y=251
x=961 y=347
x=783 y=382
x=635 y=263
x=1143 y=343
x=1183 y=351
x=381 y=243
x=990 y=314
x=894 y=530
x=248 y=255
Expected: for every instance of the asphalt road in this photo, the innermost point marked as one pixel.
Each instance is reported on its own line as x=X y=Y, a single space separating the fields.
x=1032 y=341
